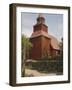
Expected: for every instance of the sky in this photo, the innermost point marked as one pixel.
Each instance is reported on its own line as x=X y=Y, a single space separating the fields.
x=53 y=21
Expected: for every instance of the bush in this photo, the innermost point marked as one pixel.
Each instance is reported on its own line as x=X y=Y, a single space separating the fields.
x=47 y=66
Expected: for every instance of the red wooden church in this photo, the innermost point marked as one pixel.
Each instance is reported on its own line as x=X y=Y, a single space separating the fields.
x=43 y=43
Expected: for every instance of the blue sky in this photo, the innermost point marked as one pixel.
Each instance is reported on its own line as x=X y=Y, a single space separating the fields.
x=53 y=21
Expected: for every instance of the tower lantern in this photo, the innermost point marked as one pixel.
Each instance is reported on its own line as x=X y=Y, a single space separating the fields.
x=40 y=19
x=40 y=25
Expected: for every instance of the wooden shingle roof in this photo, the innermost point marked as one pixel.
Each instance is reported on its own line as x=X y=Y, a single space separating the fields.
x=54 y=41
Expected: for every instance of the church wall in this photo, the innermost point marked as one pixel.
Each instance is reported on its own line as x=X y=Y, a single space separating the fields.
x=41 y=47
x=40 y=27
x=54 y=52
x=45 y=46
x=36 y=28
x=35 y=52
x=44 y=28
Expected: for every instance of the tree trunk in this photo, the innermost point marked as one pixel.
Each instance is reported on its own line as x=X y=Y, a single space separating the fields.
x=24 y=59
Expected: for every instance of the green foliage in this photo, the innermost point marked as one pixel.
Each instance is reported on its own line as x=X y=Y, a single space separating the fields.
x=26 y=45
x=51 y=66
x=25 y=42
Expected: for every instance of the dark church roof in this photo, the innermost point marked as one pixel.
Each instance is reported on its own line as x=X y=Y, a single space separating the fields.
x=54 y=42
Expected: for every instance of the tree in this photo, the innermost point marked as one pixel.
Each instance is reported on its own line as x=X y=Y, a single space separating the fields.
x=60 y=61
x=61 y=48
x=26 y=45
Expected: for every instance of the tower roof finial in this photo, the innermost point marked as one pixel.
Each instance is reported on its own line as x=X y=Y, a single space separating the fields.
x=40 y=19
x=40 y=15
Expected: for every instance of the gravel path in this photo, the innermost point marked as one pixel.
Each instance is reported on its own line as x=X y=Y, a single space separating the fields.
x=30 y=72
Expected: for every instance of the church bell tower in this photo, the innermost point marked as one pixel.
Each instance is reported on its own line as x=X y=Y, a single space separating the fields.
x=39 y=39
x=40 y=25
